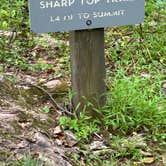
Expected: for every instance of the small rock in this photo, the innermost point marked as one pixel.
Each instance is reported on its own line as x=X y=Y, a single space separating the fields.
x=71 y=139
x=53 y=84
x=163 y=87
x=164 y=84
x=145 y=75
x=138 y=140
x=29 y=79
x=59 y=142
x=19 y=156
x=42 y=140
x=96 y=145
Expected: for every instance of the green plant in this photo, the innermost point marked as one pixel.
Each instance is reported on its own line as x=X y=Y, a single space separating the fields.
x=136 y=104
x=83 y=127
x=46 y=109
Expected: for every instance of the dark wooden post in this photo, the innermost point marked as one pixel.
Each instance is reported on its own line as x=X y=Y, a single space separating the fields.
x=88 y=67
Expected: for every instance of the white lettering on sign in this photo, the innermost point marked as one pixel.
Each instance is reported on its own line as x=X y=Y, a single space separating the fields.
x=68 y=3
x=54 y=4
x=108 y=14
x=90 y=2
x=60 y=15
x=101 y=14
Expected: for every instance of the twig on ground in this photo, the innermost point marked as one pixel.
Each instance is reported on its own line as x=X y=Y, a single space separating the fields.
x=51 y=99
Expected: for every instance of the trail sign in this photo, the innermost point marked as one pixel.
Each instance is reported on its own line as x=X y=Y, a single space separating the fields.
x=63 y=15
x=87 y=46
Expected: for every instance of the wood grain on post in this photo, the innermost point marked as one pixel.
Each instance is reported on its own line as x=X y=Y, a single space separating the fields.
x=88 y=67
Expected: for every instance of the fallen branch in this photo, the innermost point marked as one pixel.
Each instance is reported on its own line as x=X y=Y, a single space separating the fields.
x=51 y=99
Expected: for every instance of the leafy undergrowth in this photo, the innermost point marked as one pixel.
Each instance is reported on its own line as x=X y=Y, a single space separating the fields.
x=133 y=128
x=133 y=124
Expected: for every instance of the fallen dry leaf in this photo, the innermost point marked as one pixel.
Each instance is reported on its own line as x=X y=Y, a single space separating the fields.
x=148 y=160
x=25 y=124
x=147 y=154
x=164 y=159
x=57 y=130
x=97 y=145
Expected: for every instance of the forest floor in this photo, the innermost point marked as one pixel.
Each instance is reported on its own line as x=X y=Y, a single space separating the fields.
x=38 y=125
x=30 y=126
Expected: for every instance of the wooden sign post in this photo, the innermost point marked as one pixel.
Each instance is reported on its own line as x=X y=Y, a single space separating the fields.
x=82 y=18
x=88 y=67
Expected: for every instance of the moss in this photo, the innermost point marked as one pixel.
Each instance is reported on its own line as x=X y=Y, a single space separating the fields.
x=17 y=128
x=24 y=116
x=4 y=154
